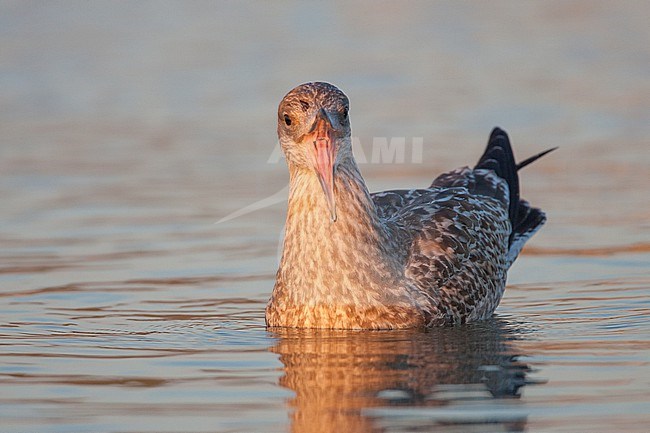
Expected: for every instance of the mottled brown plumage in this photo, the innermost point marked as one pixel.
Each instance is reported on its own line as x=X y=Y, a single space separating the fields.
x=395 y=259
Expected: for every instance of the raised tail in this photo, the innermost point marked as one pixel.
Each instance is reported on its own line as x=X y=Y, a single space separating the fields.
x=499 y=158
x=534 y=158
x=525 y=220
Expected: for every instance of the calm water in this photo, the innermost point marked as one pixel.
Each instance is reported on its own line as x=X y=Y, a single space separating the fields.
x=127 y=130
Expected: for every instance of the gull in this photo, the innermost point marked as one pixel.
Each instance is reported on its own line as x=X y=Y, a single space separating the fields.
x=416 y=258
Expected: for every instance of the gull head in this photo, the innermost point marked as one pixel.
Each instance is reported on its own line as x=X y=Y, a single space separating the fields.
x=314 y=132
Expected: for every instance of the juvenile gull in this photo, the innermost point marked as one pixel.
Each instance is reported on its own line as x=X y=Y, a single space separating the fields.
x=393 y=259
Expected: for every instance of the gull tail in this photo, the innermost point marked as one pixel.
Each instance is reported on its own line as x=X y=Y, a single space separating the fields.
x=525 y=219
x=534 y=158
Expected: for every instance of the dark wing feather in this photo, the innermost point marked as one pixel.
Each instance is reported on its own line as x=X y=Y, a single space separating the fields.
x=524 y=219
x=458 y=246
x=529 y=221
x=477 y=182
x=387 y=203
x=498 y=158
x=464 y=231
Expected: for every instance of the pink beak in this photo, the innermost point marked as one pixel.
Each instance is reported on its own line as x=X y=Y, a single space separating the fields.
x=325 y=154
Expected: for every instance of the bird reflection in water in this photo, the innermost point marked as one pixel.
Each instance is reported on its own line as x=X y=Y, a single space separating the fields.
x=368 y=381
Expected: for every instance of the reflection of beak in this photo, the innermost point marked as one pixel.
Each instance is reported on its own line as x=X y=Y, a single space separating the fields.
x=325 y=153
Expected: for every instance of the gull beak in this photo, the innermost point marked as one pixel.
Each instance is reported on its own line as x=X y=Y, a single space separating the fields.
x=324 y=151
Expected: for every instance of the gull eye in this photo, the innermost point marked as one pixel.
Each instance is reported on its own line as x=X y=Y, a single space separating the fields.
x=287 y=120
x=345 y=113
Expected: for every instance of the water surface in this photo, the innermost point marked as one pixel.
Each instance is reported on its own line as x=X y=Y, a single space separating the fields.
x=129 y=129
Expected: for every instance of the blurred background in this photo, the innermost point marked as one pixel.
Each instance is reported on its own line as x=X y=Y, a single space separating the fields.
x=130 y=99
x=128 y=129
